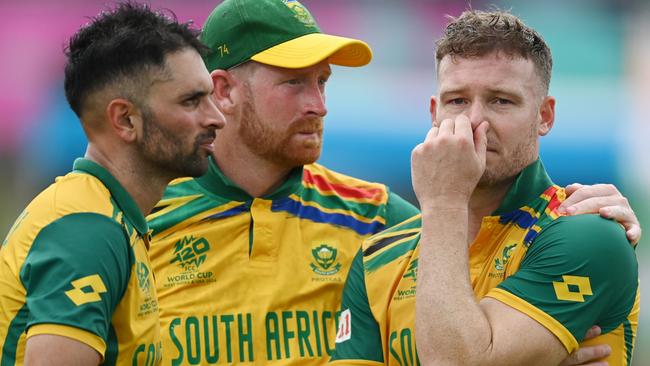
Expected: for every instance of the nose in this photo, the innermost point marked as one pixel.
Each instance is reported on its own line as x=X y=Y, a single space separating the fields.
x=315 y=100
x=213 y=116
x=476 y=114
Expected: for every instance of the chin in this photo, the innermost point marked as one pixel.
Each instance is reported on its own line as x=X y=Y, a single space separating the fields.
x=303 y=158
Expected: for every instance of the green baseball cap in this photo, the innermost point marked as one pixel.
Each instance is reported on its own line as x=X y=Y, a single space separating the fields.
x=279 y=33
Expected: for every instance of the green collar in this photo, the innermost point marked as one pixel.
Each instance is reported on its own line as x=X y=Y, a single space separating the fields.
x=217 y=183
x=528 y=185
x=121 y=196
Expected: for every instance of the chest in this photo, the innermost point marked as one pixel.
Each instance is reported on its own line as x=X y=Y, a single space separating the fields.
x=497 y=252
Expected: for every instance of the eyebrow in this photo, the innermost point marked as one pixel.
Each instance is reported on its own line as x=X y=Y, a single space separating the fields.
x=195 y=94
x=510 y=93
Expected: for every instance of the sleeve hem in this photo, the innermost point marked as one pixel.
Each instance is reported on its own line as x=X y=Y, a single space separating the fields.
x=77 y=334
x=355 y=362
x=560 y=331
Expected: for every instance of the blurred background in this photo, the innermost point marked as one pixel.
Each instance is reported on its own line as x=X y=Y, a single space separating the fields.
x=378 y=113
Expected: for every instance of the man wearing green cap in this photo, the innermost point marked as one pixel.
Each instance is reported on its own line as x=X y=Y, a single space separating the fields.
x=251 y=258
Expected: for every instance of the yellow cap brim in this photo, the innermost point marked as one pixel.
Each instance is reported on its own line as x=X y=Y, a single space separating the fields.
x=313 y=48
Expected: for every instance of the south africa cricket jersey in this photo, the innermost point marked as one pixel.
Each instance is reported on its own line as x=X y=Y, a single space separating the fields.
x=567 y=273
x=258 y=281
x=75 y=264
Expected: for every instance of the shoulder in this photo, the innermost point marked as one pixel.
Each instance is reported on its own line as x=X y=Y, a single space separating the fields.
x=84 y=237
x=74 y=193
x=181 y=187
x=589 y=246
x=316 y=175
x=75 y=246
x=391 y=244
x=577 y=265
x=409 y=228
x=376 y=197
x=75 y=203
x=585 y=236
x=183 y=199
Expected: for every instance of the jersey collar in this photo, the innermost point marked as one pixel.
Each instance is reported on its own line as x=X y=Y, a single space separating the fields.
x=121 y=196
x=217 y=183
x=528 y=186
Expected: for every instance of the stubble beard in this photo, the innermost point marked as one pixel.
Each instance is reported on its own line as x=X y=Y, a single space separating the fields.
x=163 y=150
x=508 y=167
x=277 y=146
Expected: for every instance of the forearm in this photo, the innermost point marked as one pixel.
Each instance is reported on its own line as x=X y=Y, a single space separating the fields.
x=450 y=326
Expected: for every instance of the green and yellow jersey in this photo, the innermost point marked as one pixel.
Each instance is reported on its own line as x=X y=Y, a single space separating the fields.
x=75 y=264
x=567 y=273
x=245 y=280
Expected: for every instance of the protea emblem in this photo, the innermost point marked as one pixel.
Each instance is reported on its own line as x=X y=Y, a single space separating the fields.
x=325 y=257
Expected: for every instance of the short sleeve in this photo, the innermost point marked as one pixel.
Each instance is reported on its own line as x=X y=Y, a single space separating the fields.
x=398 y=210
x=580 y=271
x=75 y=274
x=358 y=340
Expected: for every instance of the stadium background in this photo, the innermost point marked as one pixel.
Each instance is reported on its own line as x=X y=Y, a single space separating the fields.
x=601 y=79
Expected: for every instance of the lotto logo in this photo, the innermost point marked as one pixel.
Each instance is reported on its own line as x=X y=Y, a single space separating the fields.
x=573 y=288
x=345 y=326
x=86 y=289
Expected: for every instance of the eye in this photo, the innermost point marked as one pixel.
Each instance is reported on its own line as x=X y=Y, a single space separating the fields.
x=456 y=101
x=191 y=102
x=293 y=82
x=322 y=81
x=502 y=101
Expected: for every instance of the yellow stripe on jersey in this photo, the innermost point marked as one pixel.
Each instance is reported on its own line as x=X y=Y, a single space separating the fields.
x=183 y=225
x=355 y=363
x=180 y=180
x=77 y=334
x=378 y=239
x=172 y=204
x=343 y=211
x=618 y=338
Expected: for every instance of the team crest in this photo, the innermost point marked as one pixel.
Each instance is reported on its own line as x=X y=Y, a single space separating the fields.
x=301 y=13
x=325 y=257
x=190 y=252
x=500 y=264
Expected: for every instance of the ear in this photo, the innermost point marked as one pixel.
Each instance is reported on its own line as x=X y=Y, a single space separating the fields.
x=224 y=83
x=123 y=119
x=547 y=115
x=433 y=104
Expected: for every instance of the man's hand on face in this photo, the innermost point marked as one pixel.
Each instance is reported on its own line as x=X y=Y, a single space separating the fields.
x=447 y=166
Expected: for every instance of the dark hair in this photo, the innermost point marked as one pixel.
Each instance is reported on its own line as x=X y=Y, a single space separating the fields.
x=123 y=44
x=477 y=33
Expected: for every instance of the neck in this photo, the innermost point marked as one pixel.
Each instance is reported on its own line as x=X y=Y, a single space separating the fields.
x=255 y=175
x=143 y=185
x=484 y=201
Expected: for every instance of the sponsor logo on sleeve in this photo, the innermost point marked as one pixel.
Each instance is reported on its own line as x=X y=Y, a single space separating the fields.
x=572 y=288
x=86 y=290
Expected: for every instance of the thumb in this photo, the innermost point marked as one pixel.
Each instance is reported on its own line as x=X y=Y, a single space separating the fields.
x=480 y=139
